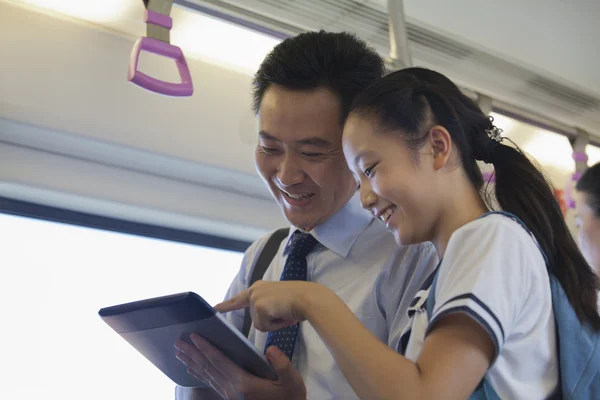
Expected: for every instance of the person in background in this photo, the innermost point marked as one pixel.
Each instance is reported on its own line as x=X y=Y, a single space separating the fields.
x=483 y=323
x=302 y=94
x=588 y=215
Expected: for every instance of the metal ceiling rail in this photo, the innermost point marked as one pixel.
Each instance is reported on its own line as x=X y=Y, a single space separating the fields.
x=399 y=54
x=399 y=51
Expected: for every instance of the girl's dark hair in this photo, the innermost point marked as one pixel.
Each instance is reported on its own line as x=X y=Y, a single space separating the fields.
x=412 y=100
x=589 y=183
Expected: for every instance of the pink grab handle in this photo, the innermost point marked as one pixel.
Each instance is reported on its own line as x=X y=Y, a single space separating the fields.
x=184 y=88
x=578 y=157
x=489 y=177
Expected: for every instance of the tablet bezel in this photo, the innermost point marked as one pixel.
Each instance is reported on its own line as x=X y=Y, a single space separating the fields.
x=135 y=319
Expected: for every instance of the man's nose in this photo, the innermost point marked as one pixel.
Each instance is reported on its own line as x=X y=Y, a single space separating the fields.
x=290 y=172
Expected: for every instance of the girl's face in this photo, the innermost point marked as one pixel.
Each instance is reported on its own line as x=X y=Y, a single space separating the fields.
x=589 y=231
x=397 y=185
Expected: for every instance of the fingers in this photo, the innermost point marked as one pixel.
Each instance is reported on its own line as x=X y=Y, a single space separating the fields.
x=200 y=372
x=269 y=325
x=289 y=376
x=212 y=383
x=195 y=360
x=242 y=300
x=264 y=321
x=202 y=368
x=218 y=360
x=269 y=308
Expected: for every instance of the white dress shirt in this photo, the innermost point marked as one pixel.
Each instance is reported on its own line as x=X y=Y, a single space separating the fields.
x=359 y=260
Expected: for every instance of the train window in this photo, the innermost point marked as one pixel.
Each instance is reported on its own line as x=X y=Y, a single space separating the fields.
x=551 y=151
x=593 y=153
x=54 y=279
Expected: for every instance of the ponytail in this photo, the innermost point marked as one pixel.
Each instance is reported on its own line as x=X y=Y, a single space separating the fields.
x=521 y=189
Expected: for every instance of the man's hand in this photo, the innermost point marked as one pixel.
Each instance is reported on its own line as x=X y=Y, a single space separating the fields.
x=208 y=364
x=204 y=393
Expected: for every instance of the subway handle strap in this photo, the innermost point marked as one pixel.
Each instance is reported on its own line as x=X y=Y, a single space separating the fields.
x=264 y=260
x=157 y=41
x=578 y=344
x=578 y=157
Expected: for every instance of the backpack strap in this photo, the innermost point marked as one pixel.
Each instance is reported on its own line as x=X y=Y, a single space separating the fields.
x=430 y=302
x=264 y=260
x=484 y=390
x=578 y=344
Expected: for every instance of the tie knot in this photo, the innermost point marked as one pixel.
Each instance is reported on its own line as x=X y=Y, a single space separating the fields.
x=301 y=244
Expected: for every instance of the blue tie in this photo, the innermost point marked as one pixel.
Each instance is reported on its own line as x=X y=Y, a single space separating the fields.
x=294 y=270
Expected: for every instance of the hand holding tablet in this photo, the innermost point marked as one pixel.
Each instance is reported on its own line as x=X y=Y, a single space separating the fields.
x=154 y=325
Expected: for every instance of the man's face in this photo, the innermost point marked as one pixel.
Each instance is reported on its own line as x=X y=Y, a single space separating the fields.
x=299 y=154
x=589 y=231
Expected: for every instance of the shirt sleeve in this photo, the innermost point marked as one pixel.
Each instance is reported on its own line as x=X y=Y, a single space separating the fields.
x=396 y=287
x=241 y=280
x=486 y=274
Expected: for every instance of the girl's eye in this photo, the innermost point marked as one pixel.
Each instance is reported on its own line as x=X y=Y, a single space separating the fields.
x=369 y=171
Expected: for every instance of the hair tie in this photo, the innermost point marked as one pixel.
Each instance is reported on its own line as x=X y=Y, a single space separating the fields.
x=485 y=150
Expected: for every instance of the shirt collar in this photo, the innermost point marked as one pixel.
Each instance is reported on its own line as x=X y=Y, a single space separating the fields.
x=340 y=231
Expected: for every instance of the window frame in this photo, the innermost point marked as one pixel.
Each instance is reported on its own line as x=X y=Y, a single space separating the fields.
x=65 y=216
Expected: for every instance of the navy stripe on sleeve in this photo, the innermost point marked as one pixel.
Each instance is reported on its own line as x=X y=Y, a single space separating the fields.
x=471 y=296
x=475 y=316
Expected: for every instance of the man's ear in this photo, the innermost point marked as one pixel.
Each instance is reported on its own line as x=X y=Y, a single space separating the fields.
x=441 y=145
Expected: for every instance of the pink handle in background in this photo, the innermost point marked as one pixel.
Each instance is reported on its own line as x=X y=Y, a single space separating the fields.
x=184 y=88
x=569 y=190
x=579 y=156
x=159 y=19
x=489 y=177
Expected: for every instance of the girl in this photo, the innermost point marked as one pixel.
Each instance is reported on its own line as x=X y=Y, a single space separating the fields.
x=412 y=140
x=588 y=215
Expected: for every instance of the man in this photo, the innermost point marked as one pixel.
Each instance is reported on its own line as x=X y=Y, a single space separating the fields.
x=302 y=92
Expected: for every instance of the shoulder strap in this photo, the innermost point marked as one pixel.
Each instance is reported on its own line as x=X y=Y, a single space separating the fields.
x=578 y=349
x=484 y=390
x=430 y=302
x=577 y=343
x=263 y=262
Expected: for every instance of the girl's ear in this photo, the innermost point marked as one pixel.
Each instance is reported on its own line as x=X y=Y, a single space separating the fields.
x=441 y=145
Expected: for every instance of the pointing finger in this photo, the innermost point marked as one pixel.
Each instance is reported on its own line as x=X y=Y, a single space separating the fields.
x=242 y=300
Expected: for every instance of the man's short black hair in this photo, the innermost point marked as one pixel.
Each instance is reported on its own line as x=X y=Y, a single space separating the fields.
x=339 y=61
x=589 y=183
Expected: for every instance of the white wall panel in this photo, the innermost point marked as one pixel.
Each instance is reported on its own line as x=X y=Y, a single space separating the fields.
x=75 y=133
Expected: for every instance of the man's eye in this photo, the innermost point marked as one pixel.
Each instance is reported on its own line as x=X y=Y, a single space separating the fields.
x=268 y=150
x=312 y=155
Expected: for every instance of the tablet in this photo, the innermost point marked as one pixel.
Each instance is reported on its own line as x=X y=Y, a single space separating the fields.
x=153 y=326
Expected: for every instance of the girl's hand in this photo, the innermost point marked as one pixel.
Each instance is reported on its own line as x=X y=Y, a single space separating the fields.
x=275 y=305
